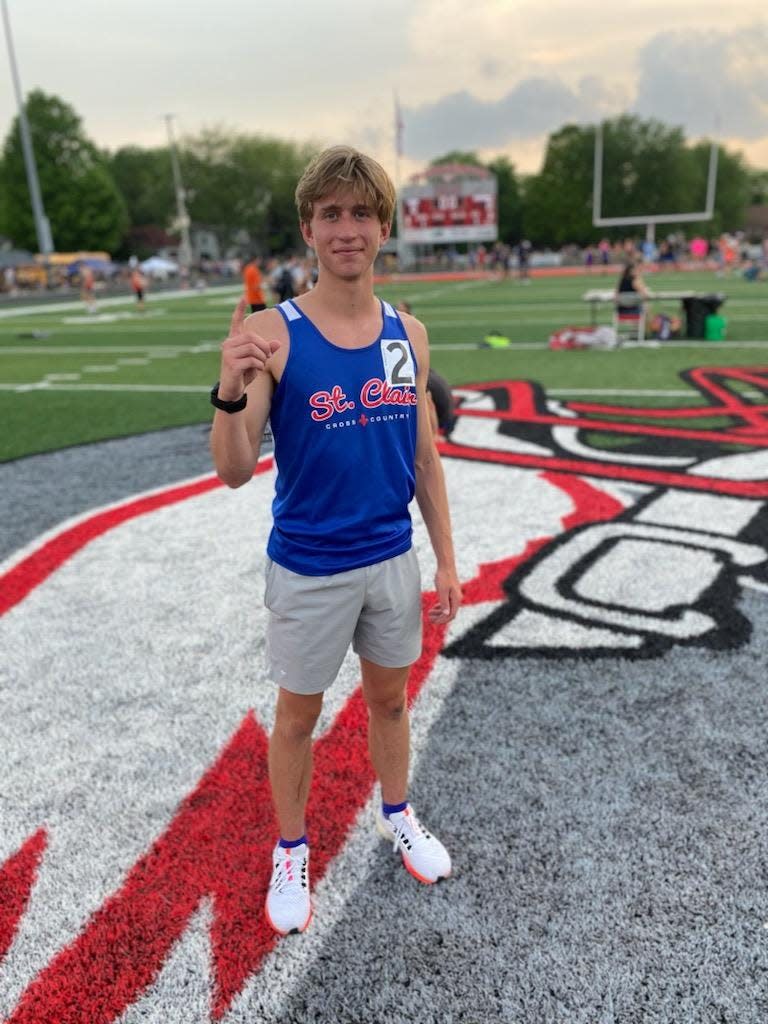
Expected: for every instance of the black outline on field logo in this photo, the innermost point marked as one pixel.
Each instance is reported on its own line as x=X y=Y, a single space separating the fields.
x=555 y=582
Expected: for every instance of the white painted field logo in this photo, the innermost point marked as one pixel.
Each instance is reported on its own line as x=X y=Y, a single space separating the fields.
x=666 y=568
x=135 y=799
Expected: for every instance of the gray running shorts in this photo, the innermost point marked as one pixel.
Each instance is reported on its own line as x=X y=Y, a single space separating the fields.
x=313 y=620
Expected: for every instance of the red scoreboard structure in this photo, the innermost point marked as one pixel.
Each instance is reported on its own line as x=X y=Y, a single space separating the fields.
x=449 y=203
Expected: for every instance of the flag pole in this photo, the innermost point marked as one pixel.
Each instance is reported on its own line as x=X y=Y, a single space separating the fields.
x=42 y=224
x=398 y=154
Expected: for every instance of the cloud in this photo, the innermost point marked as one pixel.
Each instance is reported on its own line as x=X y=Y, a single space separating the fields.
x=711 y=83
x=535 y=106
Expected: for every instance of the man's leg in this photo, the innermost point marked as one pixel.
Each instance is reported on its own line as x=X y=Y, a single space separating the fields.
x=384 y=690
x=290 y=758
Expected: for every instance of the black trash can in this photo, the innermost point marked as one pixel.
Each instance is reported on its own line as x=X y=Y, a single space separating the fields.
x=697 y=309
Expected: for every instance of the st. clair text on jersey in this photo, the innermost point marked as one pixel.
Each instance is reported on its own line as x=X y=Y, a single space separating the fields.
x=374 y=394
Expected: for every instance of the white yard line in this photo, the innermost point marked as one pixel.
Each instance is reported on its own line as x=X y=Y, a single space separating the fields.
x=115 y=328
x=47 y=385
x=528 y=346
x=91 y=350
x=113 y=300
x=454 y=286
x=512 y=316
x=467 y=346
x=56 y=382
x=634 y=392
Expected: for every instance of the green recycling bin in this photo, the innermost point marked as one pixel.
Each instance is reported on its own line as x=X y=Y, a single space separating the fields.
x=714 y=327
x=697 y=308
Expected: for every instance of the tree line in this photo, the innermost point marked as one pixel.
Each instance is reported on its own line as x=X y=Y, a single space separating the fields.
x=240 y=187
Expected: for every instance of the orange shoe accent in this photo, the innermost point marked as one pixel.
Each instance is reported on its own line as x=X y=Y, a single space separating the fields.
x=427 y=881
x=279 y=931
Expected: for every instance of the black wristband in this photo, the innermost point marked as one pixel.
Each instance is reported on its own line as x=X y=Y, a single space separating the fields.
x=236 y=406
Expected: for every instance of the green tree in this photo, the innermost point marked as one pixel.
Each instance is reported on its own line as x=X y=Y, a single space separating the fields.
x=244 y=184
x=509 y=200
x=758 y=187
x=4 y=229
x=732 y=192
x=145 y=180
x=81 y=200
x=647 y=169
x=458 y=156
x=558 y=201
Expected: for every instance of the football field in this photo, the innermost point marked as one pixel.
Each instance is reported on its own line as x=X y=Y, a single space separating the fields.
x=589 y=734
x=67 y=377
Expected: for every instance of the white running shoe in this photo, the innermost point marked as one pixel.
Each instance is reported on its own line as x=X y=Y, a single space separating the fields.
x=288 y=907
x=423 y=855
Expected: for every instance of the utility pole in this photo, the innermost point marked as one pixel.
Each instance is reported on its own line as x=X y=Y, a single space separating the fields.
x=42 y=227
x=398 y=154
x=182 y=217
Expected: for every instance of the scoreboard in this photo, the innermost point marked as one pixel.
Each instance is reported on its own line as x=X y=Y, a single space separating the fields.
x=449 y=204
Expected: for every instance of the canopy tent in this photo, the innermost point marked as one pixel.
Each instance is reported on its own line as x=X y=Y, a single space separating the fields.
x=15 y=258
x=98 y=266
x=159 y=266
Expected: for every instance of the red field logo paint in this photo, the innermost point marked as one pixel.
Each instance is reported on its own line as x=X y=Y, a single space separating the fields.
x=667 y=525
x=669 y=568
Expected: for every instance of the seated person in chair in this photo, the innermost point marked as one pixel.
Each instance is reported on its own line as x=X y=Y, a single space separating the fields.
x=630 y=284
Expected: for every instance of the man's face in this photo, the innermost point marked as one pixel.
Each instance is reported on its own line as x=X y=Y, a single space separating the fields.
x=346 y=233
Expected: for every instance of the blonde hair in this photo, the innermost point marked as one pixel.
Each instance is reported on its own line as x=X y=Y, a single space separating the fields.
x=347 y=168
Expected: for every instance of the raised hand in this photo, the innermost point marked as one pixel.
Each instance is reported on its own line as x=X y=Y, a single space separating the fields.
x=244 y=354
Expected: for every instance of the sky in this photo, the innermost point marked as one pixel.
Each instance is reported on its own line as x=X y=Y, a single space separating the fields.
x=493 y=76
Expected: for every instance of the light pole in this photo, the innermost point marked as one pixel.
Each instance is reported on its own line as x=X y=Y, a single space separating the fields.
x=42 y=227
x=182 y=217
x=398 y=154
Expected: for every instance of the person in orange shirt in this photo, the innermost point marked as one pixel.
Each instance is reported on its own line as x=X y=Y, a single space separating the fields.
x=253 y=290
x=87 y=282
x=139 y=286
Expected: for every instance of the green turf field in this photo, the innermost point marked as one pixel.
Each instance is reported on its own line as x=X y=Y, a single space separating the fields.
x=68 y=378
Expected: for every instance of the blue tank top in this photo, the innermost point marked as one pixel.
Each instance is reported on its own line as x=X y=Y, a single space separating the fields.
x=344 y=424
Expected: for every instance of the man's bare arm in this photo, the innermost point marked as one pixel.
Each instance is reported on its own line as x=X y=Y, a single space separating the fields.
x=431 y=492
x=245 y=355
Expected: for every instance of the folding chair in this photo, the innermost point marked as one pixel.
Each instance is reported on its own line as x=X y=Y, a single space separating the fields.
x=629 y=315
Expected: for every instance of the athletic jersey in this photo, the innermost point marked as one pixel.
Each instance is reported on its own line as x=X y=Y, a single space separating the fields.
x=344 y=424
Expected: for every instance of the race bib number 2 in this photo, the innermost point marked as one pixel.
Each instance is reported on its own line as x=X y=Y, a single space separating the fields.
x=398 y=363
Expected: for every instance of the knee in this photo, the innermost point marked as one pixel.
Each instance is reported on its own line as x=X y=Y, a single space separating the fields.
x=294 y=728
x=295 y=724
x=390 y=708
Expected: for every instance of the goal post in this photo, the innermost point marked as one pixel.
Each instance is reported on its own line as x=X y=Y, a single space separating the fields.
x=650 y=220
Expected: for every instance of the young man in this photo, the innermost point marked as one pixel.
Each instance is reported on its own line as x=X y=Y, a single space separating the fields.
x=342 y=378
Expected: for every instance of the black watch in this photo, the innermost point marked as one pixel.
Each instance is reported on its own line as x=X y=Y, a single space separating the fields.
x=236 y=406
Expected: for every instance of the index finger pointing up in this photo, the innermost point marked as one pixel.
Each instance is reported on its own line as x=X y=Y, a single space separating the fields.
x=238 y=317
